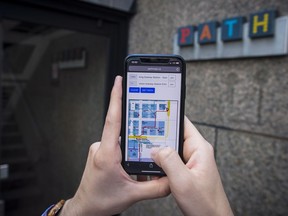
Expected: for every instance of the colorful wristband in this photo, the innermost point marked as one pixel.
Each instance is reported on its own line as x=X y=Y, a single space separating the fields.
x=47 y=210
x=53 y=210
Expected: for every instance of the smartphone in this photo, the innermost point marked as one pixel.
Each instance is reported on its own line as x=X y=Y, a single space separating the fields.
x=152 y=110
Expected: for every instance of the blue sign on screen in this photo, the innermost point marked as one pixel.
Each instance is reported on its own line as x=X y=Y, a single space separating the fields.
x=134 y=90
x=147 y=90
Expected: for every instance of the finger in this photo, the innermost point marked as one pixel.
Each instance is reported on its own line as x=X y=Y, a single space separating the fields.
x=141 y=178
x=195 y=142
x=95 y=146
x=93 y=149
x=112 y=127
x=152 y=189
x=169 y=161
x=190 y=130
x=154 y=177
x=193 y=139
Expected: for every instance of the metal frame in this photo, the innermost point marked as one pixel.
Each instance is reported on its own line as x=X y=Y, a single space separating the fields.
x=78 y=16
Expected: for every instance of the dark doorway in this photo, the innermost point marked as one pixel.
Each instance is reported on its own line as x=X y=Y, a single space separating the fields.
x=59 y=60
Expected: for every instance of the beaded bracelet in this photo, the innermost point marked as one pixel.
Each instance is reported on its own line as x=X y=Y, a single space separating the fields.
x=56 y=209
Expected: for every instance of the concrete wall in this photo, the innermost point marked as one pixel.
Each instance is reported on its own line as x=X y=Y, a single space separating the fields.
x=240 y=106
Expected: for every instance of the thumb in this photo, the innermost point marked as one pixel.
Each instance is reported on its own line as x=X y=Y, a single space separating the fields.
x=168 y=159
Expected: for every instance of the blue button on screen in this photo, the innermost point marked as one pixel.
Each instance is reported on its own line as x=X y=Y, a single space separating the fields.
x=147 y=90
x=134 y=90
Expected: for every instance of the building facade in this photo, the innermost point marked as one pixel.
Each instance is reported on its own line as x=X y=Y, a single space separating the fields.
x=58 y=60
x=239 y=105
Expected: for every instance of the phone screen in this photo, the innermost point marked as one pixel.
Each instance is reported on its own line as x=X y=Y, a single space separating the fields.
x=153 y=108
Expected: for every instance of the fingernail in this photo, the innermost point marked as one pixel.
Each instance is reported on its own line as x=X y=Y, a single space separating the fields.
x=118 y=79
x=154 y=152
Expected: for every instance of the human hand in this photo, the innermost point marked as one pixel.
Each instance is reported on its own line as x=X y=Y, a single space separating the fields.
x=196 y=186
x=105 y=188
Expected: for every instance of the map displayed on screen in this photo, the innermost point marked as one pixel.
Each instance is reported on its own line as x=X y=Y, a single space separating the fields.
x=151 y=124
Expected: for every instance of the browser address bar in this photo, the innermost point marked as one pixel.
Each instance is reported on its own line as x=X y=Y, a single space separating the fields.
x=154 y=68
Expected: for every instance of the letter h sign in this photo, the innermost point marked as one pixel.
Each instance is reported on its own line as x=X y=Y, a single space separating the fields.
x=262 y=24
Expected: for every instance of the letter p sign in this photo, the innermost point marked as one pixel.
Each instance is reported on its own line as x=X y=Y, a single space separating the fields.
x=186 y=36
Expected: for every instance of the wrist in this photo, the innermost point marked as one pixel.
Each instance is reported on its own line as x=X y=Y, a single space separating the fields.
x=223 y=205
x=74 y=207
x=70 y=208
x=225 y=209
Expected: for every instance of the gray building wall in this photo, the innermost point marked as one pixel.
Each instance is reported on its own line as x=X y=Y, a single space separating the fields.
x=240 y=106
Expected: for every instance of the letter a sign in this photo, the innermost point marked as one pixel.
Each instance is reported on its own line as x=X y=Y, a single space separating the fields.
x=207 y=32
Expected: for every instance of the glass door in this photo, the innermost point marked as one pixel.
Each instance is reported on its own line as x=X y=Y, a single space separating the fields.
x=53 y=90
